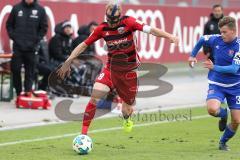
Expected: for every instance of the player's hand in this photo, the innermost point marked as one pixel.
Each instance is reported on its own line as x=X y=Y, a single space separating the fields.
x=208 y=64
x=174 y=40
x=64 y=70
x=192 y=61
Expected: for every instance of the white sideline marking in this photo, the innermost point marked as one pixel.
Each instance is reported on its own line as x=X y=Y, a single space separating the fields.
x=93 y=131
x=30 y=125
x=109 y=115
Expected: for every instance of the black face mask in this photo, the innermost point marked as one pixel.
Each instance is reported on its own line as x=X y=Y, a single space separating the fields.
x=113 y=19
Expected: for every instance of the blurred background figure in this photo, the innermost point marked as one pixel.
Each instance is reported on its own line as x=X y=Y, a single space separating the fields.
x=83 y=32
x=43 y=66
x=26 y=26
x=60 y=44
x=86 y=68
x=211 y=27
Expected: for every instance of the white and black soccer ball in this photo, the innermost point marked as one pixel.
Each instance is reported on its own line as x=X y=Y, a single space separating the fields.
x=82 y=144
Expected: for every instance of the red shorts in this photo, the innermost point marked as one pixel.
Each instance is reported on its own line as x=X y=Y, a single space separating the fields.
x=125 y=83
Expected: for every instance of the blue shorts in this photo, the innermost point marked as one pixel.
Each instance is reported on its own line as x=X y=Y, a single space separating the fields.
x=232 y=95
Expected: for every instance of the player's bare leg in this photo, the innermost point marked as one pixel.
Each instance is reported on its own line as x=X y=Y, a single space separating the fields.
x=99 y=91
x=213 y=106
x=127 y=111
x=214 y=109
x=230 y=130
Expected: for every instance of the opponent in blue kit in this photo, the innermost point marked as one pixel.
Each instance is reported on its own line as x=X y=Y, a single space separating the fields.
x=223 y=77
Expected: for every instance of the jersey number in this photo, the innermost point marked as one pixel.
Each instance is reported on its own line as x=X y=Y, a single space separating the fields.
x=101 y=76
x=238 y=99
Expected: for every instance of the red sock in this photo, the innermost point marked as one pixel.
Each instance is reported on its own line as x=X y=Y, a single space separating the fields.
x=88 y=116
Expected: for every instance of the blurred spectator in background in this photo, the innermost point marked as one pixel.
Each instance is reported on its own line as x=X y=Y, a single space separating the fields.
x=83 y=33
x=43 y=66
x=26 y=26
x=87 y=66
x=60 y=44
x=211 y=27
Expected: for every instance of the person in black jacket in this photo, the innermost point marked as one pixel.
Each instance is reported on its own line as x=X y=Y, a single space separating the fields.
x=211 y=27
x=83 y=32
x=60 y=43
x=43 y=66
x=26 y=26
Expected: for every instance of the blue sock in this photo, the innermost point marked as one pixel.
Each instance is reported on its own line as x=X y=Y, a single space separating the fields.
x=222 y=113
x=228 y=133
x=104 y=104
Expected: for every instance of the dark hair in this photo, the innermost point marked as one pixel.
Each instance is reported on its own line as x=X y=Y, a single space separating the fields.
x=216 y=6
x=93 y=23
x=228 y=21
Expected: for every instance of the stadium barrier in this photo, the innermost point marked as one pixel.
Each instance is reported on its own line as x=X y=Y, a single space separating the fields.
x=186 y=23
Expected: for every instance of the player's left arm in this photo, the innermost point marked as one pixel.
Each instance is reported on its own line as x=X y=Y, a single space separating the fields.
x=233 y=68
x=140 y=26
x=160 y=33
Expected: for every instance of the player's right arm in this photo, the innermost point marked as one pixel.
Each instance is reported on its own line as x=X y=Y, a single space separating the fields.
x=65 y=68
x=207 y=40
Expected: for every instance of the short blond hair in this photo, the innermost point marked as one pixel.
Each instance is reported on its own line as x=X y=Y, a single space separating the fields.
x=112 y=3
x=227 y=21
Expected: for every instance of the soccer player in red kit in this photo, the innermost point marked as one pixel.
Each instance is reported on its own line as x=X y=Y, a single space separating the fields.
x=120 y=70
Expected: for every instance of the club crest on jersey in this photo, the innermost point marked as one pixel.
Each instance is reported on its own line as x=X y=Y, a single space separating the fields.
x=211 y=27
x=231 y=53
x=34 y=14
x=121 y=30
x=20 y=13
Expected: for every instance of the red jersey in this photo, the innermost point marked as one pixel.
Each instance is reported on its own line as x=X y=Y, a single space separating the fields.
x=122 y=54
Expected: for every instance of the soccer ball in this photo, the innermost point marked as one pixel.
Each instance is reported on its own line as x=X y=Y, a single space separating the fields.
x=82 y=144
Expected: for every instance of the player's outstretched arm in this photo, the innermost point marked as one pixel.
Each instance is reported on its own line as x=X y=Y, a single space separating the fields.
x=160 y=33
x=65 y=69
x=192 y=59
x=206 y=40
x=77 y=51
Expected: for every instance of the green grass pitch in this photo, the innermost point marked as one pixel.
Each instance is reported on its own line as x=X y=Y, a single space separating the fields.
x=194 y=136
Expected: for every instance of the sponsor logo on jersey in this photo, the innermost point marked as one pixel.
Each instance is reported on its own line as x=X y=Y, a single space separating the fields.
x=118 y=41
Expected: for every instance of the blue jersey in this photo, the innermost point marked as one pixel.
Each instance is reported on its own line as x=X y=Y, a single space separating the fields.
x=226 y=56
